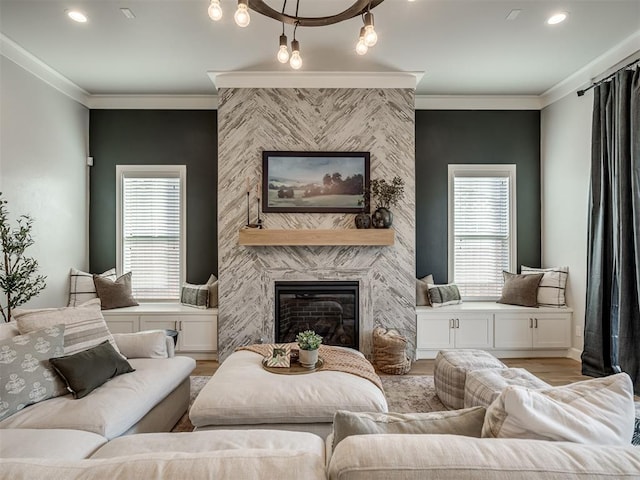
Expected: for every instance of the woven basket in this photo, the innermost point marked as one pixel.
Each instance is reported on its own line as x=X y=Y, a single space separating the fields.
x=389 y=351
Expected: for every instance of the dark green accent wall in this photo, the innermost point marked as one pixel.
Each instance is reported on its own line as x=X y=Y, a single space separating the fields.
x=155 y=137
x=446 y=137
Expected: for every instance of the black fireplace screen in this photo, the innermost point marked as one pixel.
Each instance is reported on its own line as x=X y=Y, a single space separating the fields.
x=328 y=308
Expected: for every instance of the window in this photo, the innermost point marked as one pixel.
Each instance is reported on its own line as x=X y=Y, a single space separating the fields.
x=482 y=226
x=151 y=205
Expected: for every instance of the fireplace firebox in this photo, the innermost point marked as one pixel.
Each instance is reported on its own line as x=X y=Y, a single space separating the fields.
x=328 y=308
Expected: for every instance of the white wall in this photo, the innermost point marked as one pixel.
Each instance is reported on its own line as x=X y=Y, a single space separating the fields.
x=565 y=163
x=43 y=147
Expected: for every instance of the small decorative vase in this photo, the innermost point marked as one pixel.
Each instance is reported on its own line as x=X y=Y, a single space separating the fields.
x=363 y=220
x=308 y=358
x=382 y=218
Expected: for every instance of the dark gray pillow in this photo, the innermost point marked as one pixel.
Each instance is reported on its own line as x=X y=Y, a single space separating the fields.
x=520 y=289
x=467 y=422
x=441 y=295
x=85 y=371
x=114 y=294
x=422 y=290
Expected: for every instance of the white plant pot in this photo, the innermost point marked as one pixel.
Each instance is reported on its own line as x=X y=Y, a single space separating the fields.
x=308 y=358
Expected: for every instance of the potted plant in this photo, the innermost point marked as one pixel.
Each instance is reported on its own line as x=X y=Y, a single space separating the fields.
x=309 y=343
x=385 y=195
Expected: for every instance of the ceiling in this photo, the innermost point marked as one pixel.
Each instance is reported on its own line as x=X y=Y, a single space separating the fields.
x=464 y=47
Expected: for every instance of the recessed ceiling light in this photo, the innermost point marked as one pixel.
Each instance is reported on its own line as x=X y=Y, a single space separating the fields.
x=77 y=16
x=557 y=18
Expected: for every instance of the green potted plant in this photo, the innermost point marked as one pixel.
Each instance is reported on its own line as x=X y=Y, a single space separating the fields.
x=309 y=343
x=385 y=195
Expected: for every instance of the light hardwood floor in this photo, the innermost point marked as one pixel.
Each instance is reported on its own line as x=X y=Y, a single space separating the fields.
x=554 y=371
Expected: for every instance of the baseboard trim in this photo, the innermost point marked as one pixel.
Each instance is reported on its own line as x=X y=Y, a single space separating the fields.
x=574 y=354
x=559 y=353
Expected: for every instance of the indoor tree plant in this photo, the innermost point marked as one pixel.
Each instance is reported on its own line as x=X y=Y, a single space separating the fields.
x=309 y=343
x=385 y=195
x=18 y=279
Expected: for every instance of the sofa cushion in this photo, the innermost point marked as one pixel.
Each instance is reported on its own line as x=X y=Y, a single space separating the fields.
x=111 y=409
x=483 y=386
x=146 y=344
x=49 y=443
x=598 y=411
x=26 y=375
x=467 y=422
x=84 y=325
x=82 y=288
x=452 y=457
x=85 y=371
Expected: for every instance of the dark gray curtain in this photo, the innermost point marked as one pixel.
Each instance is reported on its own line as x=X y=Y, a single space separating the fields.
x=612 y=323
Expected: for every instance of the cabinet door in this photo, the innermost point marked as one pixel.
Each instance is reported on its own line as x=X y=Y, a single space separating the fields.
x=474 y=330
x=513 y=330
x=122 y=323
x=552 y=330
x=434 y=331
x=198 y=333
x=159 y=322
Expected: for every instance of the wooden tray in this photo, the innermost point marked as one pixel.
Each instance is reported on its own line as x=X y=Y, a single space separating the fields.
x=294 y=369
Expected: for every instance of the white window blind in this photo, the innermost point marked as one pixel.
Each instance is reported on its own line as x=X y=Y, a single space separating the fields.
x=152 y=232
x=482 y=243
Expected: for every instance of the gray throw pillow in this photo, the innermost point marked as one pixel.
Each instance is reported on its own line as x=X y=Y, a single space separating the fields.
x=520 y=289
x=213 y=290
x=114 y=294
x=467 y=422
x=83 y=372
x=422 y=290
x=441 y=295
x=195 y=295
x=26 y=376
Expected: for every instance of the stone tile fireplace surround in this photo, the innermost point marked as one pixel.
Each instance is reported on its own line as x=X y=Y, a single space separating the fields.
x=250 y=120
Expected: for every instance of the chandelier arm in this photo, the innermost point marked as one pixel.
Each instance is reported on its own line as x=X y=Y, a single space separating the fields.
x=359 y=7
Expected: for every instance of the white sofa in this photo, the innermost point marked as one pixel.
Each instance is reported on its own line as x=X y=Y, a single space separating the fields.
x=151 y=399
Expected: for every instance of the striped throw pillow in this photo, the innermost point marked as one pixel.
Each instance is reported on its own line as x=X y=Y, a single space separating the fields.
x=551 y=291
x=84 y=325
x=81 y=286
x=195 y=295
x=441 y=295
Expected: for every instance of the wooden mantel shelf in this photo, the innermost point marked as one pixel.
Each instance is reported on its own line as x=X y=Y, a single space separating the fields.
x=253 y=237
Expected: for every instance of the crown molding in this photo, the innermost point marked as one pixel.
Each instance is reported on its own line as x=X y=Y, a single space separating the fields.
x=154 y=102
x=586 y=75
x=35 y=66
x=478 y=102
x=295 y=79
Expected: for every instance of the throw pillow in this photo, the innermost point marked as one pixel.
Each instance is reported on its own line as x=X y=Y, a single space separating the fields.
x=84 y=325
x=551 y=291
x=213 y=291
x=81 y=287
x=441 y=295
x=389 y=351
x=85 y=371
x=422 y=290
x=149 y=344
x=26 y=376
x=114 y=294
x=520 y=289
x=467 y=422
x=195 y=295
x=8 y=330
x=598 y=411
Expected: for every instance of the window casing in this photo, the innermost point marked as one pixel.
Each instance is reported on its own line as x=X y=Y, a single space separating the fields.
x=151 y=229
x=482 y=228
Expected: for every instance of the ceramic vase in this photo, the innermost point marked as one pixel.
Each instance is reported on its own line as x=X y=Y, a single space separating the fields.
x=363 y=220
x=382 y=218
x=308 y=358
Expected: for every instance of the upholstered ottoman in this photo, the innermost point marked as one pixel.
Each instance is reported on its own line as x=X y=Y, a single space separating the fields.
x=483 y=386
x=243 y=395
x=450 y=373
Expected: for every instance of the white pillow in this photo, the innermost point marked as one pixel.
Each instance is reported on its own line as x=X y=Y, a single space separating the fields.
x=599 y=411
x=551 y=290
x=151 y=344
x=82 y=288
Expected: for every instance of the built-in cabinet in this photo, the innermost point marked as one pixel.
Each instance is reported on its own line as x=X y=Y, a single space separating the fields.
x=197 y=329
x=506 y=330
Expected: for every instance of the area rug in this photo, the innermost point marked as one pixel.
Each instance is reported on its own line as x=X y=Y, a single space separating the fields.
x=409 y=393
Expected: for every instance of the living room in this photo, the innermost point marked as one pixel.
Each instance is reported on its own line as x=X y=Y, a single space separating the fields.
x=481 y=83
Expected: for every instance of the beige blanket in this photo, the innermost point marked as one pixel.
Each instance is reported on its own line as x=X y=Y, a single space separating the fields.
x=335 y=359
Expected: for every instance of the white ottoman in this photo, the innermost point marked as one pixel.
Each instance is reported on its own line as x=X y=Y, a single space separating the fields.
x=450 y=373
x=482 y=387
x=242 y=395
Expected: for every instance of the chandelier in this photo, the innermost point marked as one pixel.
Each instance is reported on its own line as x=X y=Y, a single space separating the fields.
x=367 y=36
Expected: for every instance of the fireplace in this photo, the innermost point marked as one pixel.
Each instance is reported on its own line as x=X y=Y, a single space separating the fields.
x=328 y=308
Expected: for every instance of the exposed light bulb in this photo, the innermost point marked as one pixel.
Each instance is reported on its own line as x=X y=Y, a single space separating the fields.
x=370 y=35
x=242 y=14
x=361 y=47
x=215 y=11
x=296 y=59
x=557 y=18
x=283 y=51
x=77 y=16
